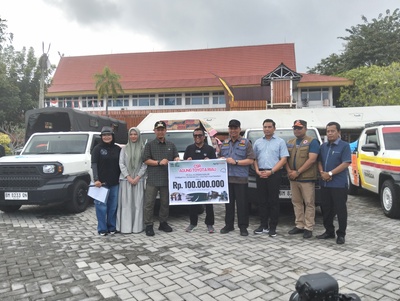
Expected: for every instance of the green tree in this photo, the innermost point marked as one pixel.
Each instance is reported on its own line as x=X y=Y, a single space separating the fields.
x=5 y=142
x=9 y=95
x=107 y=84
x=373 y=86
x=19 y=79
x=14 y=137
x=371 y=43
x=5 y=36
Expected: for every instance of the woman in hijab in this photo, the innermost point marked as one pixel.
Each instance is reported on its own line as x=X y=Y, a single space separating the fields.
x=132 y=184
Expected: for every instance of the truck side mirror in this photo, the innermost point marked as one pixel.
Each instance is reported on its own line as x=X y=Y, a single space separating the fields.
x=370 y=147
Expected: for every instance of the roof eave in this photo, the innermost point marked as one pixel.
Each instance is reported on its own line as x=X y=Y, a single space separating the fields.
x=325 y=84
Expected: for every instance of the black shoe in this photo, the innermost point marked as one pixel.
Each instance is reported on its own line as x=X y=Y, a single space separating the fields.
x=307 y=233
x=272 y=233
x=326 y=236
x=165 y=227
x=261 y=230
x=244 y=232
x=296 y=230
x=149 y=230
x=226 y=229
x=340 y=240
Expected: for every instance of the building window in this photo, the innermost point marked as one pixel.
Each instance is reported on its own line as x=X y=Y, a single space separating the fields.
x=170 y=99
x=51 y=102
x=218 y=98
x=143 y=100
x=76 y=103
x=196 y=99
x=91 y=102
x=314 y=94
x=68 y=102
x=120 y=101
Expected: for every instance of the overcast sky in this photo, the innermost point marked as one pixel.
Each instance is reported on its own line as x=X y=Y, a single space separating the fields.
x=87 y=27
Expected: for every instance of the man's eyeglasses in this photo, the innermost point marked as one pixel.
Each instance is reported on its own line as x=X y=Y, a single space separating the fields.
x=297 y=127
x=197 y=135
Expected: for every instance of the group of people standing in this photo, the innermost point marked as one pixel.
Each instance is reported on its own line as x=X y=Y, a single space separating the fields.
x=330 y=160
x=136 y=173
x=123 y=172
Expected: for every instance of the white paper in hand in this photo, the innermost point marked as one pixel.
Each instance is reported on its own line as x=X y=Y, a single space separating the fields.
x=98 y=193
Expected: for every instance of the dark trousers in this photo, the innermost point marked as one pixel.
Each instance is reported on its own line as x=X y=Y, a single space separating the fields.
x=194 y=214
x=237 y=194
x=268 y=200
x=149 y=201
x=334 y=203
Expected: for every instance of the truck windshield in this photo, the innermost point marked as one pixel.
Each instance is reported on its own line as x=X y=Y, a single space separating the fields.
x=56 y=144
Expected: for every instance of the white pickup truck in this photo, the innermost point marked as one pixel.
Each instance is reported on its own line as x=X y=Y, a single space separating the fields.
x=53 y=167
x=375 y=164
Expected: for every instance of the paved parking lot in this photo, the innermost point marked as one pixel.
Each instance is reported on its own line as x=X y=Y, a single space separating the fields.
x=47 y=255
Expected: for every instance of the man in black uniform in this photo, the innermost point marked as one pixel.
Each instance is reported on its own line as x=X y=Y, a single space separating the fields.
x=200 y=151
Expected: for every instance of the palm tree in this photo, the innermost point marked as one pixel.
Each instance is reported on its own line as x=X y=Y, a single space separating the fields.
x=107 y=84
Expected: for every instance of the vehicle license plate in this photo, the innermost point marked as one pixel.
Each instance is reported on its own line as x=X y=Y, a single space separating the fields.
x=15 y=195
x=285 y=194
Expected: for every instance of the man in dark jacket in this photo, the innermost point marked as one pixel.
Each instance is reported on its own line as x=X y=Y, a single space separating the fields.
x=199 y=150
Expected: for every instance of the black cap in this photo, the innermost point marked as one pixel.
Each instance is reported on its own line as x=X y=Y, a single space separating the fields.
x=107 y=130
x=234 y=123
x=300 y=123
x=160 y=124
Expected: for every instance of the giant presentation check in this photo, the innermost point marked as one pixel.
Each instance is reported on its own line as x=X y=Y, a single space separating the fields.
x=198 y=182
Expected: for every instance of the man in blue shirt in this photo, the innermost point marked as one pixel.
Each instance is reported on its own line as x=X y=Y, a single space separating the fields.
x=334 y=158
x=271 y=155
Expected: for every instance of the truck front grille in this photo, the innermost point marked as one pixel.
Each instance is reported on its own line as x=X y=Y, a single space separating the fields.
x=20 y=182
x=20 y=177
x=12 y=170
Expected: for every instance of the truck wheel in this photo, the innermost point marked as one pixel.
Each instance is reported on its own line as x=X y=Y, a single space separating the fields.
x=390 y=199
x=79 y=198
x=352 y=189
x=10 y=209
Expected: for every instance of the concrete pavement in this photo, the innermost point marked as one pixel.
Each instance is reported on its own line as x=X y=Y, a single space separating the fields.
x=48 y=255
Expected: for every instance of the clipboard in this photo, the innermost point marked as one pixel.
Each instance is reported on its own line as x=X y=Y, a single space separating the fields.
x=98 y=193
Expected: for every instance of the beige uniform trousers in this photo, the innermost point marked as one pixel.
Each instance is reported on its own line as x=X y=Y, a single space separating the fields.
x=303 y=200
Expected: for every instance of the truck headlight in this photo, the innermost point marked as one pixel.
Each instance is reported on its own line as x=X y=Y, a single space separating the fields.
x=49 y=168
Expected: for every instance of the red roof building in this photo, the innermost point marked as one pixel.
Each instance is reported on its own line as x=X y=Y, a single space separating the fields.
x=231 y=78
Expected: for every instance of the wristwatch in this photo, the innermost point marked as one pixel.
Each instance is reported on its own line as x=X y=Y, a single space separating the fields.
x=330 y=174
x=158 y=162
x=236 y=162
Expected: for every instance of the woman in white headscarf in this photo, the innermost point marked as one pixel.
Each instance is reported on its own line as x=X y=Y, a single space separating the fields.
x=132 y=185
